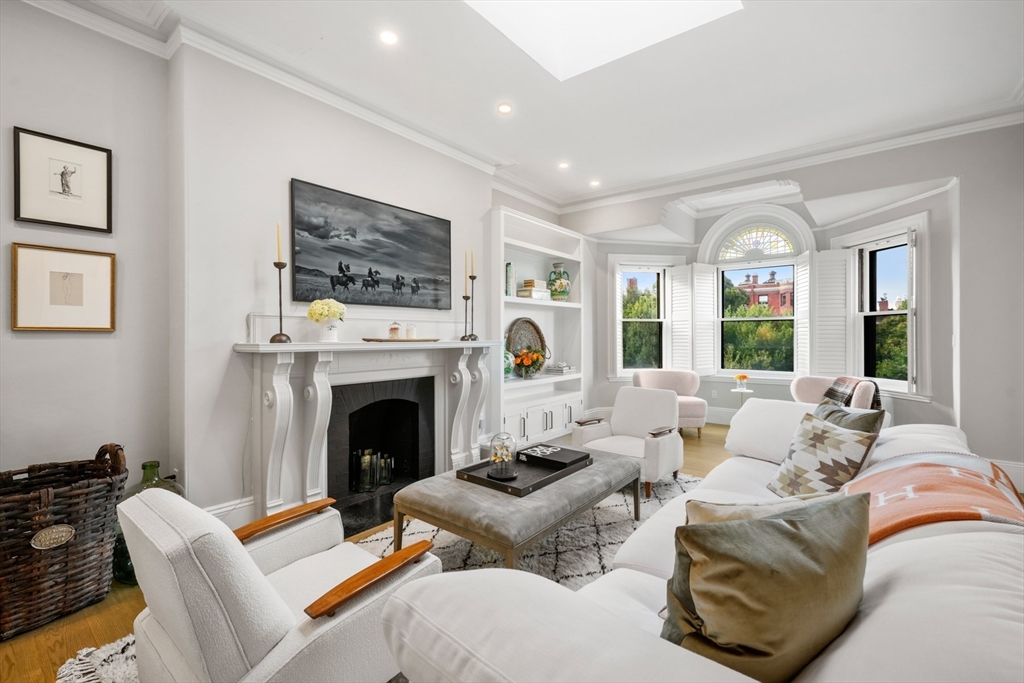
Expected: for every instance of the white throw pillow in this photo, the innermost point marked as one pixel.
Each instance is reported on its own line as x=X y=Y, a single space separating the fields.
x=763 y=428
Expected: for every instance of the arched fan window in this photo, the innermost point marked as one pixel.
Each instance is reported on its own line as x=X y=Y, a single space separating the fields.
x=755 y=242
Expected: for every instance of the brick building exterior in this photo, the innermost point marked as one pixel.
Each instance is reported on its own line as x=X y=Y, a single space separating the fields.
x=776 y=293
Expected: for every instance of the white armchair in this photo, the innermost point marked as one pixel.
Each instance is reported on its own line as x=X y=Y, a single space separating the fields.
x=643 y=426
x=693 y=411
x=296 y=603
x=812 y=388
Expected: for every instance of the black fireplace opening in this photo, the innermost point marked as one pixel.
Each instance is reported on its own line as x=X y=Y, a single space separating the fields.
x=379 y=440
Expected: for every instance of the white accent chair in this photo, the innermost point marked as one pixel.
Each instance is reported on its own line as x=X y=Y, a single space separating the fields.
x=218 y=611
x=643 y=425
x=811 y=389
x=693 y=411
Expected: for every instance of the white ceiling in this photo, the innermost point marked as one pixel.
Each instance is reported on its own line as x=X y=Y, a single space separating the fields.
x=776 y=77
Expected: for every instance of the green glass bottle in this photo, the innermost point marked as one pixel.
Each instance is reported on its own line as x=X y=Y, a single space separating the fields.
x=124 y=572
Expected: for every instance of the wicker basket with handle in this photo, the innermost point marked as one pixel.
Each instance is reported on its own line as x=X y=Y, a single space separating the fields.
x=57 y=524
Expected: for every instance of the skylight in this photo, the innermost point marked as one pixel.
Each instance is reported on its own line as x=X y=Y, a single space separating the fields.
x=570 y=37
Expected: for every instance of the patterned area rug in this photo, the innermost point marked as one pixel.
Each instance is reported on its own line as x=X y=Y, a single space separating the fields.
x=112 y=663
x=575 y=555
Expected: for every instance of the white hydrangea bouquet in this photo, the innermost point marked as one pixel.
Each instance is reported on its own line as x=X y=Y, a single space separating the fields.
x=328 y=313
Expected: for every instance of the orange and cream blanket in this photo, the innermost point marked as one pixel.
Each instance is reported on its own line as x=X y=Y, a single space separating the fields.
x=915 y=489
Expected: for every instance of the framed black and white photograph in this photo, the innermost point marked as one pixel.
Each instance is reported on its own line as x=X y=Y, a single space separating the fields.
x=61 y=182
x=360 y=251
x=62 y=289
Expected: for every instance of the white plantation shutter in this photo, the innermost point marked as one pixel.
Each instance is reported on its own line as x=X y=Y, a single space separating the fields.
x=681 y=343
x=802 y=313
x=616 y=361
x=704 y=316
x=833 y=312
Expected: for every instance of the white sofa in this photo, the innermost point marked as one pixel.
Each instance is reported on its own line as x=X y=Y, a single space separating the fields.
x=942 y=602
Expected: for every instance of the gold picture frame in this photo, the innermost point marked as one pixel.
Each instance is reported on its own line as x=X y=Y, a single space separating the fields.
x=58 y=289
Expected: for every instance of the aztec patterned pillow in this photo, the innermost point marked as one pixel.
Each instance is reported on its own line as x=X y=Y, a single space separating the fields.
x=822 y=457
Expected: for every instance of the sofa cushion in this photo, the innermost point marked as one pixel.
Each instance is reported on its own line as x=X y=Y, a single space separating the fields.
x=939 y=608
x=916 y=438
x=635 y=597
x=765 y=596
x=866 y=421
x=821 y=458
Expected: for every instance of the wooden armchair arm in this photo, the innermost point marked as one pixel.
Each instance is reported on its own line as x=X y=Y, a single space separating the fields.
x=244 y=533
x=327 y=603
x=658 y=431
x=593 y=420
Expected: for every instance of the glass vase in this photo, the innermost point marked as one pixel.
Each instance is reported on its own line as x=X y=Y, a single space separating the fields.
x=741 y=384
x=124 y=571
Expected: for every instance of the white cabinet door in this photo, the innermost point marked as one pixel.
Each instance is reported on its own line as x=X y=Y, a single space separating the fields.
x=536 y=423
x=573 y=411
x=515 y=424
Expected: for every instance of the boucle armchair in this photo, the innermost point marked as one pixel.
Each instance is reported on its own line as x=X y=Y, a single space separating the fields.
x=278 y=608
x=693 y=411
x=643 y=426
x=812 y=388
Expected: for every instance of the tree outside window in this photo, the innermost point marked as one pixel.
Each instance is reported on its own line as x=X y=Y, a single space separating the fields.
x=885 y=312
x=757 y=319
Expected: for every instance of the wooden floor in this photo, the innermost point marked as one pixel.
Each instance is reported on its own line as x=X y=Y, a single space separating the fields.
x=34 y=657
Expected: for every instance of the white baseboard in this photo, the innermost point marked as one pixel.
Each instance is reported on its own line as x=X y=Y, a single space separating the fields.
x=1015 y=470
x=721 y=416
x=235 y=513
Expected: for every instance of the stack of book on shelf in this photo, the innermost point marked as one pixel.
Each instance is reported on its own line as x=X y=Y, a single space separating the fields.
x=534 y=289
x=560 y=369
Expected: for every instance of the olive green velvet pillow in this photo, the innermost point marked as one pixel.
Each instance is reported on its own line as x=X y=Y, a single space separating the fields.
x=765 y=596
x=867 y=421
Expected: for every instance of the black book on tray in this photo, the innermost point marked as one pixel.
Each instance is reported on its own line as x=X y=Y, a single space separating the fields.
x=551 y=456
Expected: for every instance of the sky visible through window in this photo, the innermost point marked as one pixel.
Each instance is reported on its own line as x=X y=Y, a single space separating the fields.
x=891 y=273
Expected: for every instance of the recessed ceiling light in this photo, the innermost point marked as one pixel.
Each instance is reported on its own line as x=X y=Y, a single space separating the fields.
x=595 y=183
x=564 y=165
x=388 y=37
x=504 y=108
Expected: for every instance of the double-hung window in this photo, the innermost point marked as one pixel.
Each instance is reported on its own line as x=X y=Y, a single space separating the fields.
x=885 y=270
x=641 y=313
x=756 y=318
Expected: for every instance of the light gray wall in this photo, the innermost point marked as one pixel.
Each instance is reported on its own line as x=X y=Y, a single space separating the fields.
x=62 y=394
x=499 y=198
x=989 y=250
x=243 y=138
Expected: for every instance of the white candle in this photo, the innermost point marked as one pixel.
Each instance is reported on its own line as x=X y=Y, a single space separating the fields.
x=279 y=241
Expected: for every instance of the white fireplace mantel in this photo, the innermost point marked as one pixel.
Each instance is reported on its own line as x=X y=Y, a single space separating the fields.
x=289 y=433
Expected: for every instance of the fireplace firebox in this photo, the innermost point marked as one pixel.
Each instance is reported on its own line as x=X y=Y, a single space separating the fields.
x=380 y=439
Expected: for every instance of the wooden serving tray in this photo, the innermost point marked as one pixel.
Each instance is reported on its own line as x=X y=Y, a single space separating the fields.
x=403 y=339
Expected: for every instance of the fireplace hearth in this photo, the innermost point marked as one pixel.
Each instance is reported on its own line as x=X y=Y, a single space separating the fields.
x=372 y=423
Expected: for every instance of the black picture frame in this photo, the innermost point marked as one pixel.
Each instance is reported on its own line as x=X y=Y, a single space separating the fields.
x=409 y=251
x=28 y=192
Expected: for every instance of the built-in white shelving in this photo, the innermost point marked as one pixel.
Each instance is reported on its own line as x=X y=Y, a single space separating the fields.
x=545 y=407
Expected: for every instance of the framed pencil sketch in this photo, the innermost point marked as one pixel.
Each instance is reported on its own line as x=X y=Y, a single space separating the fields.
x=61 y=182
x=62 y=289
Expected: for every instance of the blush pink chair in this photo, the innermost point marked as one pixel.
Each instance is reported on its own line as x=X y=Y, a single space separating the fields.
x=812 y=388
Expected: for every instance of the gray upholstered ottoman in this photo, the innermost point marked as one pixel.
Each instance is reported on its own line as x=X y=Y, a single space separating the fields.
x=507 y=523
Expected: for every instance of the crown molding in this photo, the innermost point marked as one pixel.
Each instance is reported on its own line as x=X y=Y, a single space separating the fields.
x=149 y=13
x=794 y=159
x=501 y=186
x=95 y=22
x=183 y=35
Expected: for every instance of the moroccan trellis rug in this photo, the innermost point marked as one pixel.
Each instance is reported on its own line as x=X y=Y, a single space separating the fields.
x=573 y=556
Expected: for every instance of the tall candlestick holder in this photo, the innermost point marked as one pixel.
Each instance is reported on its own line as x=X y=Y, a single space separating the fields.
x=280 y=337
x=472 y=308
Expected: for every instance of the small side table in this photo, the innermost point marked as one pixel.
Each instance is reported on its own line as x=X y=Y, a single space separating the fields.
x=743 y=394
